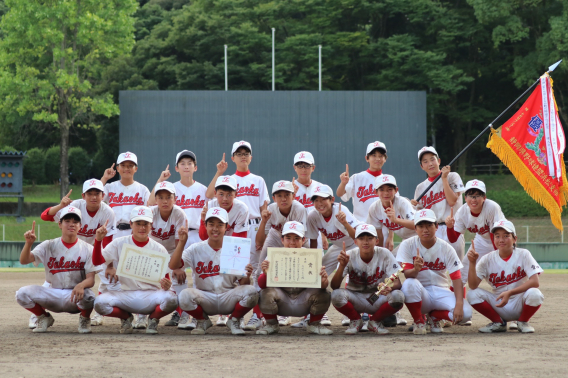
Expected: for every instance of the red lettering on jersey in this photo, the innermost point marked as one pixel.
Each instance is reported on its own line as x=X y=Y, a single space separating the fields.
x=122 y=200
x=86 y=232
x=208 y=270
x=390 y=225
x=481 y=231
x=436 y=265
x=332 y=236
x=305 y=200
x=499 y=280
x=249 y=191
x=365 y=194
x=430 y=200
x=163 y=234
x=278 y=227
x=190 y=203
x=58 y=266
x=365 y=280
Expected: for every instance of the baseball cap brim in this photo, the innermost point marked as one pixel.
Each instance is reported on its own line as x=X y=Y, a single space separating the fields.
x=508 y=229
x=71 y=215
x=299 y=233
x=425 y=219
x=216 y=216
x=141 y=218
x=188 y=154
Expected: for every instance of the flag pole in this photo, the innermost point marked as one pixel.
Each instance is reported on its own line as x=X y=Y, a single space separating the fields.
x=550 y=69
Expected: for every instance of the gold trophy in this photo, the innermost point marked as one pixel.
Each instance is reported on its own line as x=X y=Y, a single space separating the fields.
x=389 y=282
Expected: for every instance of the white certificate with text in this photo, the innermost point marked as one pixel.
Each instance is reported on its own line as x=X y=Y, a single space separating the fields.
x=235 y=256
x=142 y=264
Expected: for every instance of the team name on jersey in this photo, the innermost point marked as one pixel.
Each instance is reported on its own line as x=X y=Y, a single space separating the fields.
x=208 y=270
x=364 y=279
x=391 y=226
x=305 y=200
x=88 y=233
x=163 y=234
x=58 y=266
x=248 y=191
x=277 y=227
x=122 y=200
x=481 y=231
x=190 y=203
x=365 y=194
x=433 y=265
x=501 y=279
x=332 y=236
x=430 y=200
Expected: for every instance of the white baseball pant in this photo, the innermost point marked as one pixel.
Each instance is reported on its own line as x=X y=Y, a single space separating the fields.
x=459 y=245
x=512 y=310
x=330 y=258
x=433 y=298
x=340 y=297
x=56 y=300
x=218 y=304
x=276 y=301
x=142 y=302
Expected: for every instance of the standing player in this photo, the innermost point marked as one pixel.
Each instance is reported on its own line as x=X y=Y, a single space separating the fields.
x=367 y=266
x=426 y=259
x=69 y=270
x=512 y=274
x=122 y=196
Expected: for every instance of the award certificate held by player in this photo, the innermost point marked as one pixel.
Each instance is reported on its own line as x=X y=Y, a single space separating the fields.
x=294 y=267
x=235 y=256
x=142 y=264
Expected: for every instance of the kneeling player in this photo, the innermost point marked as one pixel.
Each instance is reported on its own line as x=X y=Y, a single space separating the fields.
x=68 y=269
x=291 y=301
x=213 y=293
x=367 y=266
x=425 y=260
x=512 y=273
x=134 y=296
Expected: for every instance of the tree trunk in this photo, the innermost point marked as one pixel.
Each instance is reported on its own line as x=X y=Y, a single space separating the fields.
x=64 y=157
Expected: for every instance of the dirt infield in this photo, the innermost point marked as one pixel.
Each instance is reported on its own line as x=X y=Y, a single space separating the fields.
x=461 y=351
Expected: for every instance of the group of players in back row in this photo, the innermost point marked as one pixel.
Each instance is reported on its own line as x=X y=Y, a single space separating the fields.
x=188 y=221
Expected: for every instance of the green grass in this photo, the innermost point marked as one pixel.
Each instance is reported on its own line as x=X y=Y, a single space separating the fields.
x=45 y=193
x=14 y=231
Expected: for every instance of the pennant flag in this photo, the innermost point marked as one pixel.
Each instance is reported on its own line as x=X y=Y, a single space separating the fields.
x=531 y=144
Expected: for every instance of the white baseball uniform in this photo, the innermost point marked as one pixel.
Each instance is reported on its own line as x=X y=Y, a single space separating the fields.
x=191 y=199
x=302 y=197
x=402 y=208
x=361 y=188
x=238 y=216
x=122 y=199
x=507 y=275
x=287 y=301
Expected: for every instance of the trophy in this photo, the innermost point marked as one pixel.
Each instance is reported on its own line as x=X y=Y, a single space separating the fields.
x=389 y=282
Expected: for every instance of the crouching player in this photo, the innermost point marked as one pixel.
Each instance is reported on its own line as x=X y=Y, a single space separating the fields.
x=367 y=266
x=512 y=273
x=68 y=269
x=291 y=301
x=134 y=296
x=214 y=293
x=425 y=260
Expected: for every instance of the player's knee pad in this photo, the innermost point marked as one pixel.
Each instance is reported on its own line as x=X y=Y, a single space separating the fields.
x=339 y=297
x=533 y=297
x=396 y=299
x=187 y=299
x=24 y=297
x=412 y=290
x=474 y=296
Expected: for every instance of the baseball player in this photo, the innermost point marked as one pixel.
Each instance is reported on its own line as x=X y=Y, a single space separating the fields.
x=426 y=259
x=447 y=193
x=134 y=296
x=293 y=301
x=367 y=266
x=213 y=293
x=512 y=274
x=94 y=213
x=69 y=270
x=122 y=196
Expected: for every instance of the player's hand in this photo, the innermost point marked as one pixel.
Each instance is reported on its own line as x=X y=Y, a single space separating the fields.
x=165 y=174
x=204 y=211
x=343 y=257
x=450 y=221
x=413 y=202
x=504 y=298
x=222 y=166
x=165 y=284
x=183 y=233
x=341 y=217
x=265 y=215
x=391 y=213
x=248 y=269
x=264 y=266
x=296 y=187
x=385 y=290
x=110 y=274
x=472 y=256
x=389 y=244
x=109 y=173
x=264 y=206
x=418 y=261
x=101 y=232
x=324 y=242
x=323 y=273
x=180 y=275
x=77 y=294
x=344 y=177
x=30 y=235
x=458 y=314
x=66 y=201
x=446 y=171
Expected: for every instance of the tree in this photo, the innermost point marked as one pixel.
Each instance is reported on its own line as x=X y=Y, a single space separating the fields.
x=51 y=55
x=34 y=166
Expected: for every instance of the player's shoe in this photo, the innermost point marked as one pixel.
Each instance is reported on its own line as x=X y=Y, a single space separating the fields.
x=253 y=324
x=174 y=320
x=222 y=321
x=524 y=327
x=494 y=327
x=513 y=325
x=84 y=324
x=400 y=320
x=269 y=328
x=436 y=325
x=243 y=323
x=325 y=320
x=153 y=325
x=43 y=323
x=126 y=324
x=377 y=327
x=33 y=321
x=185 y=322
x=282 y=321
x=234 y=324
x=302 y=323
x=96 y=319
x=447 y=324
x=345 y=321
x=390 y=321
x=141 y=321
x=365 y=319
x=468 y=323
x=419 y=329
x=354 y=327
x=201 y=326
x=318 y=329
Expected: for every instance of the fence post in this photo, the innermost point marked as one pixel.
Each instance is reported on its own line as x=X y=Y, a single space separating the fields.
x=38 y=233
x=3 y=232
x=527 y=227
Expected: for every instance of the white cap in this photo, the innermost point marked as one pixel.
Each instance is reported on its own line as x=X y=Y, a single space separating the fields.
x=240 y=144
x=383 y=180
x=282 y=185
x=226 y=181
x=185 y=153
x=165 y=185
x=321 y=191
x=304 y=156
x=93 y=184
x=127 y=156
x=425 y=149
x=375 y=145
x=426 y=215
x=70 y=210
x=293 y=227
x=142 y=213
x=505 y=225
x=365 y=228
x=219 y=213
x=475 y=184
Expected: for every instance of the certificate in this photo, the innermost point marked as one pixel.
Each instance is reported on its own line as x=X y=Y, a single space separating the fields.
x=294 y=267
x=235 y=256
x=142 y=264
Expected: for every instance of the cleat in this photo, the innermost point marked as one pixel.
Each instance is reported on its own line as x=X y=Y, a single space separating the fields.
x=325 y=321
x=141 y=321
x=221 y=321
x=345 y=321
x=33 y=321
x=513 y=325
x=419 y=329
x=284 y=320
x=524 y=327
x=302 y=323
x=84 y=324
x=174 y=320
x=126 y=324
x=318 y=329
x=153 y=326
x=97 y=319
x=494 y=327
x=365 y=319
x=389 y=321
x=377 y=327
x=253 y=324
x=354 y=327
x=436 y=325
x=185 y=322
x=234 y=324
x=468 y=323
x=400 y=320
x=43 y=323
x=269 y=328
x=202 y=326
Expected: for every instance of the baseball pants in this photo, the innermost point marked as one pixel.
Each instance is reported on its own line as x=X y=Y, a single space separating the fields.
x=341 y=297
x=56 y=300
x=142 y=302
x=433 y=298
x=276 y=301
x=512 y=310
x=459 y=245
x=218 y=304
x=330 y=258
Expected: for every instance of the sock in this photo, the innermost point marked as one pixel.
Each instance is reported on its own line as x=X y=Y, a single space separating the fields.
x=349 y=311
x=241 y=311
x=316 y=318
x=256 y=311
x=158 y=313
x=179 y=311
x=197 y=313
x=440 y=315
x=385 y=310
x=415 y=309
x=270 y=316
x=86 y=313
x=119 y=313
x=489 y=312
x=37 y=310
x=528 y=312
